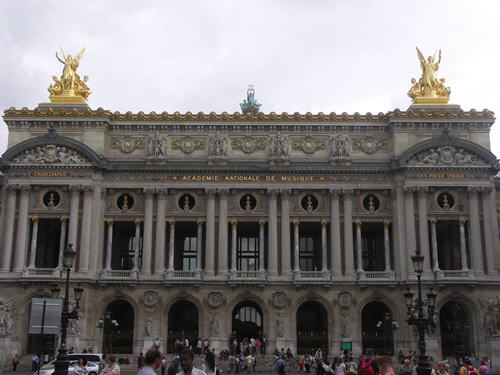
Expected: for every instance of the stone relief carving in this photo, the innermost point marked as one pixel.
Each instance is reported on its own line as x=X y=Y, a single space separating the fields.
x=369 y=145
x=149 y=325
x=344 y=300
x=74 y=325
x=150 y=298
x=6 y=319
x=346 y=324
x=447 y=155
x=217 y=147
x=188 y=144
x=50 y=154
x=248 y=144
x=215 y=299
x=491 y=320
x=309 y=144
x=340 y=148
x=157 y=146
x=279 y=300
x=280 y=325
x=214 y=324
x=279 y=148
x=128 y=144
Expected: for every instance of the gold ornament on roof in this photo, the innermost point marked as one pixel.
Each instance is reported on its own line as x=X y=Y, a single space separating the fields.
x=428 y=90
x=70 y=88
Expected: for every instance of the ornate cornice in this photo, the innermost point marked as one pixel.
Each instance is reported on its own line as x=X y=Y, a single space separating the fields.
x=236 y=116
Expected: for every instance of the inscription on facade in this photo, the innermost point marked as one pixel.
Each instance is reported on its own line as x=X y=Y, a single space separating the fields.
x=50 y=174
x=248 y=178
x=446 y=176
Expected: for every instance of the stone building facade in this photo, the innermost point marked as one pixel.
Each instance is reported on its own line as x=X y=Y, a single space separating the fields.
x=296 y=228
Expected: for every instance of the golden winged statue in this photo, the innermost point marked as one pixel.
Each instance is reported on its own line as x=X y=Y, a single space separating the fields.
x=70 y=88
x=428 y=90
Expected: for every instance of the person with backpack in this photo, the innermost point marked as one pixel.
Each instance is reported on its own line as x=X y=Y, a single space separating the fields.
x=368 y=365
x=352 y=367
x=467 y=368
x=174 y=367
x=280 y=365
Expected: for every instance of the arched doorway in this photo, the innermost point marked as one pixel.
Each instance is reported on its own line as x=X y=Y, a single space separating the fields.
x=376 y=328
x=182 y=324
x=247 y=321
x=456 y=330
x=312 y=327
x=118 y=328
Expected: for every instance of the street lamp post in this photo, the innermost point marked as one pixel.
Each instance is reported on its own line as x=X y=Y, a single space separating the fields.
x=416 y=313
x=102 y=326
x=61 y=363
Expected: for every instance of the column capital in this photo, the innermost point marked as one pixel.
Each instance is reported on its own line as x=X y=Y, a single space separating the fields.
x=64 y=220
x=347 y=192
x=162 y=192
x=461 y=221
x=335 y=192
x=324 y=223
x=433 y=221
x=171 y=223
x=12 y=188
x=210 y=192
x=110 y=222
x=473 y=189
x=285 y=193
x=358 y=224
x=422 y=189
x=223 y=192
x=296 y=223
x=200 y=222
x=87 y=189
x=486 y=189
x=234 y=223
x=35 y=220
x=137 y=222
x=262 y=223
x=273 y=193
x=148 y=191
x=75 y=188
x=409 y=189
x=24 y=187
x=386 y=224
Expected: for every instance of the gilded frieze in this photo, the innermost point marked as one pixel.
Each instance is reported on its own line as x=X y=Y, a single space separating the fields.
x=188 y=144
x=248 y=144
x=309 y=144
x=369 y=145
x=127 y=144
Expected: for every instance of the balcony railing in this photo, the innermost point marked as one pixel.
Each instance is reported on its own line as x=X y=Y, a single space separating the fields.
x=311 y=275
x=182 y=275
x=376 y=275
x=454 y=274
x=42 y=272
x=119 y=274
x=247 y=275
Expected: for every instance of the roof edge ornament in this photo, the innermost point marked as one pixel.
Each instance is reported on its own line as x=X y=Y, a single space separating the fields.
x=250 y=105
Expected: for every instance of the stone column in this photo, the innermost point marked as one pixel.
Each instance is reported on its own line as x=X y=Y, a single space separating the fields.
x=161 y=207
x=210 y=233
x=475 y=232
x=199 y=244
x=359 y=247
x=62 y=242
x=400 y=256
x=411 y=240
x=222 y=266
x=147 y=247
x=109 y=245
x=262 y=225
x=324 y=246
x=285 y=233
x=423 y=230
x=34 y=237
x=296 y=248
x=96 y=244
x=22 y=222
x=272 y=228
x=9 y=227
x=489 y=241
x=234 y=234
x=83 y=265
x=137 y=244
x=171 y=246
x=463 y=245
x=348 y=245
x=435 y=258
x=335 y=247
x=73 y=214
x=387 y=247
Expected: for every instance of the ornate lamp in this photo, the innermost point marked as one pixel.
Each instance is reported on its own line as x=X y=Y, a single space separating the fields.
x=69 y=256
x=408 y=298
x=431 y=298
x=418 y=262
x=78 y=294
x=54 y=292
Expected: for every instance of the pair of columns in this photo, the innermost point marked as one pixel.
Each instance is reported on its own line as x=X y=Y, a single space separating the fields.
x=34 y=238
x=234 y=237
x=490 y=230
x=296 y=248
x=22 y=226
x=387 y=247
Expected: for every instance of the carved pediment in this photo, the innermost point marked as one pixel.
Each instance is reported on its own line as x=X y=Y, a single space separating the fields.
x=445 y=155
x=50 y=154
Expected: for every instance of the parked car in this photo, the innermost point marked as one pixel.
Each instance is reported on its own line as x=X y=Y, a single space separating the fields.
x=49 y=368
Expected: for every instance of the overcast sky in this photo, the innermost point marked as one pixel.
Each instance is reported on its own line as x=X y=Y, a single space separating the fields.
x=309 y=55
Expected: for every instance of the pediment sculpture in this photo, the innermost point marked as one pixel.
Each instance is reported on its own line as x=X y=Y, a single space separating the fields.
x=444 y=155
x=340 y=149
x=279 y=148
x=50 y=154
x=217 y=147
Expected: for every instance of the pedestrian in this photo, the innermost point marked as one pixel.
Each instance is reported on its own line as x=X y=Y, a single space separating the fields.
x=210 y=368
x=140 y=361
x=484 y=369
x=175 y=366
x=15 y=362
x=111 y=367
x=157 y=343
x=467 y=368
x=152 y=362
x=80 y=368
x=249 y=362
x=386 y=366
x=368 y=365
x=35 y=360
x=198 y=347
x=352 y=367
x=280 y=365
x=307 y=363
x=441 y=370
x=407 y=368
x=186 y=358
x=163 y=366
x=340 y=367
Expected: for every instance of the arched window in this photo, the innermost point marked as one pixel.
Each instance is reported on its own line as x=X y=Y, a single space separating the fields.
x=247 y=321
x=312 y=327
x=182 y=324
x=118 y=328
x=456 y=330
x=376 y=326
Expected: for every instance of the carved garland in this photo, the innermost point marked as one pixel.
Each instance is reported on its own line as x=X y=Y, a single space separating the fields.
x=50 y=154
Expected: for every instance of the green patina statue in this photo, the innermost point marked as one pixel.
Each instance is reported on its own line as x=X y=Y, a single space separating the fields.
x=250 y=105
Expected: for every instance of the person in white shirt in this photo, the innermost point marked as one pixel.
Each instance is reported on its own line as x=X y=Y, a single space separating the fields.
x=186 y=357
x=152 y=361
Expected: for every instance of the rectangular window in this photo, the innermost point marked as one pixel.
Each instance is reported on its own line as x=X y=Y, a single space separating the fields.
x=189 y=254
x=306 y=253
x=248 y=253
x=47 y=243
